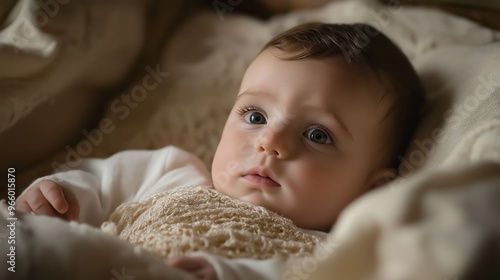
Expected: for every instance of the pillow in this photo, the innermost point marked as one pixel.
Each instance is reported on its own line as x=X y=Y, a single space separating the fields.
x=463 y=86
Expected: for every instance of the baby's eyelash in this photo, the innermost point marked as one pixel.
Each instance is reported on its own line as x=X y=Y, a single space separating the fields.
x=245 y=109
x=327 y=131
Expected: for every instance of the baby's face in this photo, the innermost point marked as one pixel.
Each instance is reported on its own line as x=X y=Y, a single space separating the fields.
x=304 y=138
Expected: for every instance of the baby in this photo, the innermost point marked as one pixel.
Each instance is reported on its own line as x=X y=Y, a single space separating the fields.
x=321 y=117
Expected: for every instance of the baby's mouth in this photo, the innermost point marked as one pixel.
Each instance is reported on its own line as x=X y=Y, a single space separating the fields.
x=261 y=181
x=261 y=177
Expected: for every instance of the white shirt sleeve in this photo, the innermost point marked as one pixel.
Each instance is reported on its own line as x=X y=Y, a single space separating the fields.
x=245 y=269
x=101 y=185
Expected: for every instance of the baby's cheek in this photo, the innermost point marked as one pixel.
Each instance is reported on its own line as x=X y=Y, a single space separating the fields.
x=316 y=177
x=219 y=179
x=325 y=190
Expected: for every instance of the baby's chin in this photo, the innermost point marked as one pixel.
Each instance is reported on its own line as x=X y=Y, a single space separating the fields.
x=250 y=195
x=254 y=197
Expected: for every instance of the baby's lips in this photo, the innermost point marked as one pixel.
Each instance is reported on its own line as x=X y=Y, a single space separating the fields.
x=263 y=172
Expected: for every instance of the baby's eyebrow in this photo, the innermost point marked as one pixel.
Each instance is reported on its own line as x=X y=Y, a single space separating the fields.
x=257 y=94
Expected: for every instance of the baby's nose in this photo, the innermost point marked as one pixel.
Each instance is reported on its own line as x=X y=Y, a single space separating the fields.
x=272 y=143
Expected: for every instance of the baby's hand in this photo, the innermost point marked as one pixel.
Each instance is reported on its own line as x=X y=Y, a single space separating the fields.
x=197 y=266
x=50 y=199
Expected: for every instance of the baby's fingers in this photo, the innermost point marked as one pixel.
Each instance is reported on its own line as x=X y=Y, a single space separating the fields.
x=54 y=195
x=38 y=204
x=73 y=213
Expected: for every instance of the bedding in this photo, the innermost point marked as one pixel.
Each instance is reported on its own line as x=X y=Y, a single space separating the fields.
x=437 y=221
x=59 y=63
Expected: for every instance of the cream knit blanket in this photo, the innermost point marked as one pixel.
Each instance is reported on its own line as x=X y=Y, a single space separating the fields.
x=190 y=219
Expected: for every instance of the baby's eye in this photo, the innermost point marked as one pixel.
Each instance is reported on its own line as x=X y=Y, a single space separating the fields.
x=319 y=136
x=255 y=118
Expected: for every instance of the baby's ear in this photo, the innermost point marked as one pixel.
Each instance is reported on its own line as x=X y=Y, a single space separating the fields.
x=382 y=177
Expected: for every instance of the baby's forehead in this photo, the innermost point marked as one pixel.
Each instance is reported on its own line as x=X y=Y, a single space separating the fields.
x=333 y=73
x=348 y=70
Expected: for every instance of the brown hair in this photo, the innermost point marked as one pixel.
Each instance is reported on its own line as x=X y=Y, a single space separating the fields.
x=364 y=45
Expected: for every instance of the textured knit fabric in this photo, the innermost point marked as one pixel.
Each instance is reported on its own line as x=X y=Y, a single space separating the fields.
x=186 y=220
